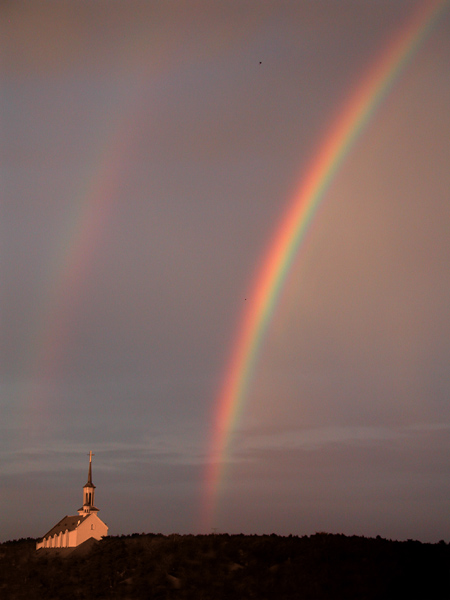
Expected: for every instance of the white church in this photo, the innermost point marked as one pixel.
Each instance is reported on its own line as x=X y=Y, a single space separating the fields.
x=73 y=530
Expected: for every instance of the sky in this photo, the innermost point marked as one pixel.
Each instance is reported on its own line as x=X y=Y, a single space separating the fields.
x=149 y=151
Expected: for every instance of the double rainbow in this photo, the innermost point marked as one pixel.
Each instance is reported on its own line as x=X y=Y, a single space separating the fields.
x=285 y=244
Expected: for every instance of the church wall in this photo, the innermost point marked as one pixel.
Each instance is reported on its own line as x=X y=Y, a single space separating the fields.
x=72 y=538
x=91 y=527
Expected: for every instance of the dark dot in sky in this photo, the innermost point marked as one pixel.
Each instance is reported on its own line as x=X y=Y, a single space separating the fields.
x=260 y=62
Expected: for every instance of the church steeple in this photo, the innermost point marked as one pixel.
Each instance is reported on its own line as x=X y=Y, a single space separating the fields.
x=89 y=481
x=88 y=493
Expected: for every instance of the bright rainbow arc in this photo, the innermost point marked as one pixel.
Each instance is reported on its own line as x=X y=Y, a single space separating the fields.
x=272 y=272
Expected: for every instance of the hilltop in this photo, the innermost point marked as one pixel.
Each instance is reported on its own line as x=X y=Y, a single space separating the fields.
x=223 y=566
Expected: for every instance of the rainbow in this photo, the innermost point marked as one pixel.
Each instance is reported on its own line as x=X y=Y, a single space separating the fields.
x=285 y=244
x=68 y=272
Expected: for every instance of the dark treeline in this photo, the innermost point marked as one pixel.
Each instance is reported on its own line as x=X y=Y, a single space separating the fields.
x=152 y=566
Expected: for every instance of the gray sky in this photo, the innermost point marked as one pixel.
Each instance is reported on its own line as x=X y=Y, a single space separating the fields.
x=148 y=151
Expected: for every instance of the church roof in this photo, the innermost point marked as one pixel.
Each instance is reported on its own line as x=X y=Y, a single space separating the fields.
x=67 y=522
x=92 y=509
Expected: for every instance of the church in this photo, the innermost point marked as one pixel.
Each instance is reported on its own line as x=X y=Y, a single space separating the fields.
x=72 y=531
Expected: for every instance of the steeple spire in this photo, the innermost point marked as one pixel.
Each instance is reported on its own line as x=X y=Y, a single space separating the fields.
x=88 y=492
x=89 y=481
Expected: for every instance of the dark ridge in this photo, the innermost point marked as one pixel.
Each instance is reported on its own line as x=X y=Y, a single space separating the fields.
x=222 y=566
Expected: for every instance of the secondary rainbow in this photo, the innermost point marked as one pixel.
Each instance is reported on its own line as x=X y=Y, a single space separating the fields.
x=69 y=269
x=285 y=244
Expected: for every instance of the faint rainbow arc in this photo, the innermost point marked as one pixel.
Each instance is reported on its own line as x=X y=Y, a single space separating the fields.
x=66 y=281
x=277 y=260
x=69 y=271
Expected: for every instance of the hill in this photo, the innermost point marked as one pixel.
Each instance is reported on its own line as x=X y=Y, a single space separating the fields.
x=227 y=566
